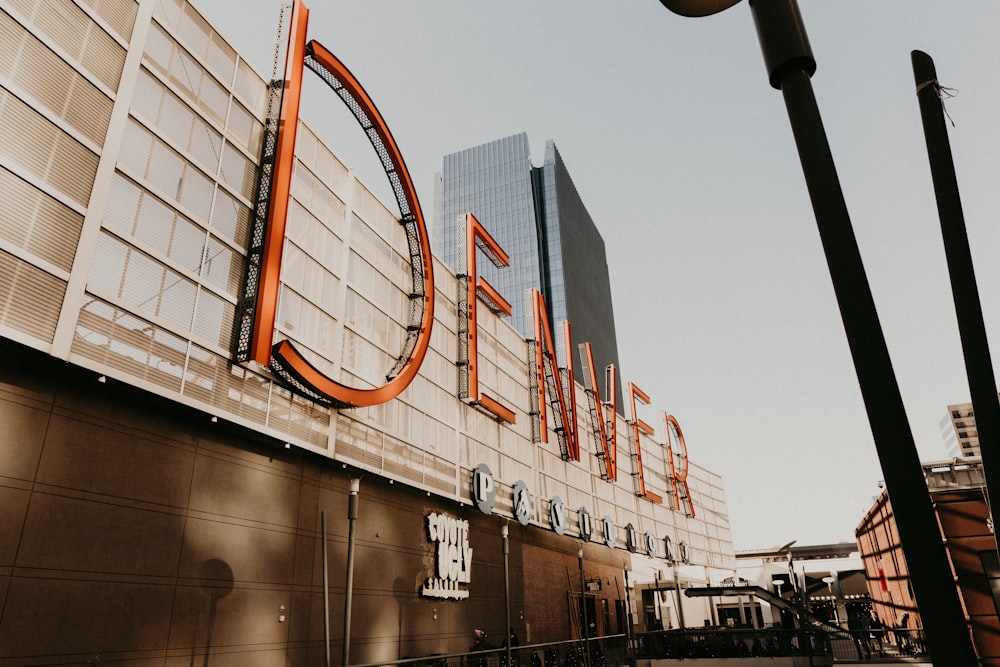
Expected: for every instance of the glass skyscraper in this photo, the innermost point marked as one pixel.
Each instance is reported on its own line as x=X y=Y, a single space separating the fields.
x=538 y=217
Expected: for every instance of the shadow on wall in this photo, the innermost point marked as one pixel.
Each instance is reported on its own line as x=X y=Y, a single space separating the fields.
x=217 y=582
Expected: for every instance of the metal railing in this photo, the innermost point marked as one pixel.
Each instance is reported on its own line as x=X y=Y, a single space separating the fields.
x=731 y=643
x=867 y=644
x=717 y=642
x=779 y=642
x=608 y=651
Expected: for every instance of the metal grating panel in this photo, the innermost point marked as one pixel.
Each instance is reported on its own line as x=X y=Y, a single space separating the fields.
x=30 y=299
x=247 y=306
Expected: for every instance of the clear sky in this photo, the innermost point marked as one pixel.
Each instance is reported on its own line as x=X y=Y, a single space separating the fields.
x=683 y=155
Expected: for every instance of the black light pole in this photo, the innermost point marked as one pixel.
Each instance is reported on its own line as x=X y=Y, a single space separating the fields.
x=790 y=64
x=506 y=588
x=352 y=515
x=968 y=308
x=326 y=590
x=583 y=609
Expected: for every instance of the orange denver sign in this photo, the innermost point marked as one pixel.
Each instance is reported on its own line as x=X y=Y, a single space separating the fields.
x=259 y=306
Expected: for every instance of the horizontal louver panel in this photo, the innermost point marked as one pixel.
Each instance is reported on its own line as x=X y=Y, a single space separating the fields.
x=439 y=473
x=35 y=222
x=64 y=93
x=298 y=417
x=30 y=299
x=124 y=342
x=65 y=25
x=215 y=381
x=348 y=451
x=118 y=14
x=31 y=141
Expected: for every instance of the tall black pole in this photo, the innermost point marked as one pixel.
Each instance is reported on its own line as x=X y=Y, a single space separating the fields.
x=583 y=609
x=352 y=515
x=968 y=307
x=326 y=590
x=790 y=64
x=506 y=589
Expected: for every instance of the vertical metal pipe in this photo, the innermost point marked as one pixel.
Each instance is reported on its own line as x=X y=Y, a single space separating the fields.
x=326 y=588
x=968 y=307
x=629 y=648
x=790 y=64
x=656 y=599
x=506 y=589
x=677 y=594
x=352 y=514
x=583 y=606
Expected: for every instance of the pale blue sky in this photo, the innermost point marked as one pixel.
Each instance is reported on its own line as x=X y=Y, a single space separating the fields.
x=683 y=155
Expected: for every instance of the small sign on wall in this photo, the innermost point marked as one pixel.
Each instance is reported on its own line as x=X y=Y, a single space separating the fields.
x=453 y=557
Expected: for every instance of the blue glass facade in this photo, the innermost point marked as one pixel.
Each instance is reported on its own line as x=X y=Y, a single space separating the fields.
x=538 y=217
x=493 y=181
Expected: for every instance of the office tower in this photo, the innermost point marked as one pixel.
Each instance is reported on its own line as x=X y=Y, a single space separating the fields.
x=539 y=218
x=958 y=430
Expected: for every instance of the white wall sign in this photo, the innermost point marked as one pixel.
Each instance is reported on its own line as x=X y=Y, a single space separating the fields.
x=453 y=557
x=557 y=515
x=586 y=527
x=631 y=538
x=484 y=491
x=610 y=534
x=522 y=503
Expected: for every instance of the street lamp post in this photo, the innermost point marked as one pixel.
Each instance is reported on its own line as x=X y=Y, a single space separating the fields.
x=965 y=291
x=656 y=598
x=506 y=589
x=352 y=515
x=828 y=580
x=779 y=583
x=790 y=64
x=583 y=609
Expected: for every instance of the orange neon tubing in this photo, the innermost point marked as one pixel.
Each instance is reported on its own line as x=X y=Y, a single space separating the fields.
x=640 y=427
x=281 y=183
x=284 y=353
x=572 y=431
x=610 y=445
x=543 y=338
x=475 y=233
x=675 y=478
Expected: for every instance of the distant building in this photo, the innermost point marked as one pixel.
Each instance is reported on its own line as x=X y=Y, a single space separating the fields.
x=831 y=574
x=958 y=429
x=957 y=489
x=539 y=219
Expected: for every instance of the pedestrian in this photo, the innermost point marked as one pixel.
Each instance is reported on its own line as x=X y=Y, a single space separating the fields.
x=478 y=641
x=511 y=641
x=478 y=644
